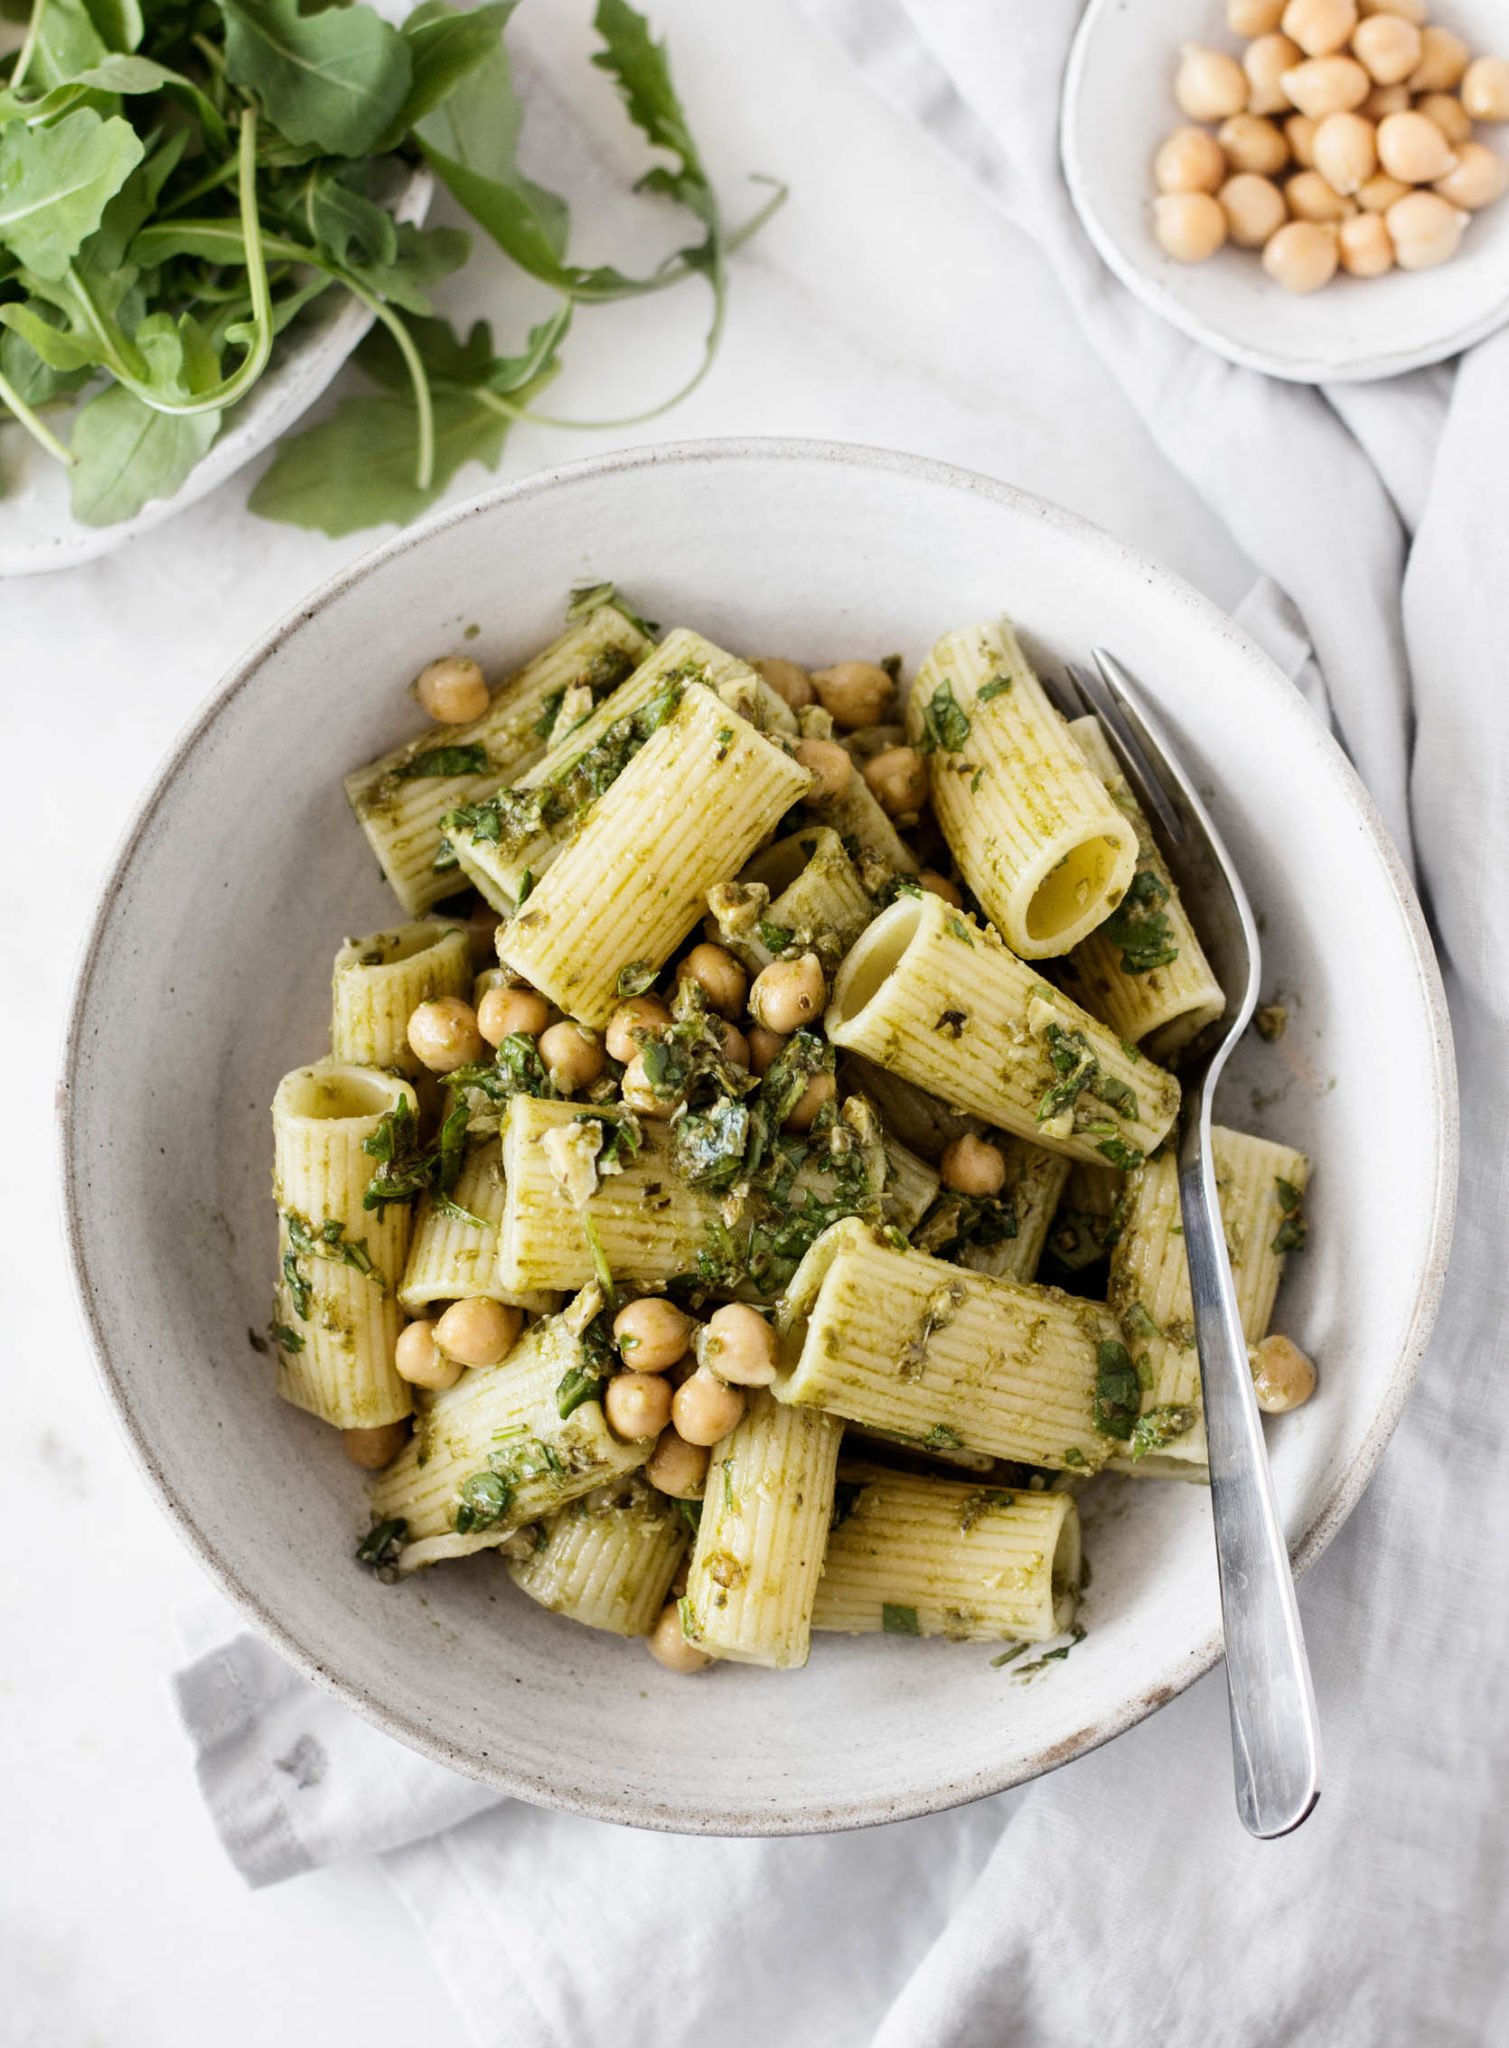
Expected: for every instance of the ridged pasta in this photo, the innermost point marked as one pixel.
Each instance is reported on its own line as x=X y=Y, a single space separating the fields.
x=1034 y=1182
x=379 y=981
x=697 y=799
x=1030 y=824
x=936 y=997
x=608 y=1559
x=936 y=1354
x=494 y=1451
x=760 y=1542
x=336 y=1319
x=452 y=1256
x=911 y=1187
x=815 y=900
x=1261 y=1187
x=941 y=1557
x=1143 y=972
x=399 y=805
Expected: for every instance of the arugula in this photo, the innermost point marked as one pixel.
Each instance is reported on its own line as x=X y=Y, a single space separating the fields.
x=379 y=1549
x=996 y=687
x=445 y=761
x=634 y=979
x=1159 y=1428
x=1118 y=1392
x=1139 y=926
x=899 y=1621
x=945 y=723
x=178 y=183
x=1294 y=1230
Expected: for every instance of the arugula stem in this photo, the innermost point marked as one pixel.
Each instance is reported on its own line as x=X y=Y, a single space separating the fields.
x=424 y=404
x=221 y=175
x=28 y=50
x=39 y=431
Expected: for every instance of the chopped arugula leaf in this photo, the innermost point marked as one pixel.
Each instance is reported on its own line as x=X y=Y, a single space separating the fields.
x=1139 y=927
x=941 y=1438
x=690 y=1512
x=775 y=938
x=996 y=687
x=634 y=979
x=379 y=1549
x=1160 y=1427
x=445 y=761
x=981 y=1504
x=899 y=1621
x=1118 y=1395
x=945 y=724
x=1293 y=1232
x=284 y=1338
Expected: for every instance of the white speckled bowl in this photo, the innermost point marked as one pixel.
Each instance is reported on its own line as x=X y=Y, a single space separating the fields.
x=1119 y=104
x=207 y=975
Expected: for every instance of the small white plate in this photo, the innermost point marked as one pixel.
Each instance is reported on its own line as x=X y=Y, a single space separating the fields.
x=1118 y=106
x=37 y=530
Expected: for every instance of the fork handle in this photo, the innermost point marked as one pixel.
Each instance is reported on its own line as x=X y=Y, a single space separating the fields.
x=1274 y=1733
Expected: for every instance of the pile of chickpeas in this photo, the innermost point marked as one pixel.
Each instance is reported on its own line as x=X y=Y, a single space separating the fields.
x=1343 y=140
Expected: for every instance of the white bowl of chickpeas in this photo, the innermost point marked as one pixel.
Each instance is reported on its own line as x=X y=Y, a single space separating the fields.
x=1313 y=188
x=207 y=978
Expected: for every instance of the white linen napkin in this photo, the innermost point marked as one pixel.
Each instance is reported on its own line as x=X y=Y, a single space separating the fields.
x=1116 y=1900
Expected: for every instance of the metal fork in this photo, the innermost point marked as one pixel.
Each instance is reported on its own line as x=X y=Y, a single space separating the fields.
x=1274 y=1732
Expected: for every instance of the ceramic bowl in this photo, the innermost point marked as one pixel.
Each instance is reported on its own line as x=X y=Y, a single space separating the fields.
x=207 y=976
x=1118 y=105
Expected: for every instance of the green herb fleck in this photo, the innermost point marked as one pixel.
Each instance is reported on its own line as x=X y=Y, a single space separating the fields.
x=1160 y=1427
x=996 y=687
x=1139 y=926
x=445 y=761
x=1117 y=1393
x=634 y=979
x=899 y=1621
x=945 y=724
x=379 y=1549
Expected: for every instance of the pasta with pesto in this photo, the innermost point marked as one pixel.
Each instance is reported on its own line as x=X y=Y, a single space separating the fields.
x=776 y=1233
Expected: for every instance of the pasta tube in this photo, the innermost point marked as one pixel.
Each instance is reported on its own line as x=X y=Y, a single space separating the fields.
x=1143 y=972
x=453 y=1253
x=938 y=999
x=400 y=799
x=697 y=799
x=506 y=1445
x=607 y=1561
x=1030 y=823
x=1034 y=1182
x=930 y=1352
x=1261 y=1187
x=911 y=1187
x=938 y=1557
x=760 y=1542
x=649 y=1224
x=336 y=1319
x=379 y=982
x=803 y=891
x=507 y=842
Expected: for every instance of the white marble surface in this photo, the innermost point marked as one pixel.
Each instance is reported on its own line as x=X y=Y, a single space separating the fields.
x=887 y=304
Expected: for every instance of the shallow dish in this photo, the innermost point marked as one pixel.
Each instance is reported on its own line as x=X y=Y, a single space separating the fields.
x=202 y=983
x=1118 y=105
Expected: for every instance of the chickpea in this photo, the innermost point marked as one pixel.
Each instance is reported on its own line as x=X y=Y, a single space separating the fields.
x=479 y=1331
x=1426 y=230
x=939 y=885
x=740 y=1346
x=897 y=780
x=790 y=993
x=1388 y=47
x=854 y=693
x=1480 y=178
x=1380 y=192
x=1189 y=161
x=1302 y=257
x=1443 y=62
x=830 y=767
x=1282 y=1376
x=803 y=1112
x=1312 y=199
x=1254 y=207
x=1254 y=144
x=374 y=1448
x=763 y=1047
x=637 y=1405
x=1485 y=89
x=443 y=1034
x=681 y=1578
x=1190 y=226
x=1299 y=131
x=735 y=1044
x=640 y=1095
x=788 y=679
x=1417 y=11
x=1319 y=26
x=574 y=1056
x=453 y=690
x=652 y=1333
x=1327 y=85
x=418 y=1359
x=634 y=1024
x=1346 y=152
x=677 y=1467
x=1208 y=85
x=505 y=1012
x=1265 y=64
x=1365 y=246
x=1253 y=17
x=1449 y=115
x=668 y=1646
x=1384 y=100
x=719 y=976
x=706 y=1409
x=1412 y=148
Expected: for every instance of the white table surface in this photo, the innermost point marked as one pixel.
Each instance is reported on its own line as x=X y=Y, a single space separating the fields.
x=887 y=304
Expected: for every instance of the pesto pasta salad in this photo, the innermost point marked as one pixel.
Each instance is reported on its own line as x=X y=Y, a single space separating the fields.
x=739 y=1191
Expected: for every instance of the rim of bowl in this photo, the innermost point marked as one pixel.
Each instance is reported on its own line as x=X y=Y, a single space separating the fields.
x=1304 y=1549
x=1368 y=367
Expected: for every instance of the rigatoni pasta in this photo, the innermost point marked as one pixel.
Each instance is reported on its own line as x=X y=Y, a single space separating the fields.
x=453 y=1254
x=379 y=981
x=608 y=1559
